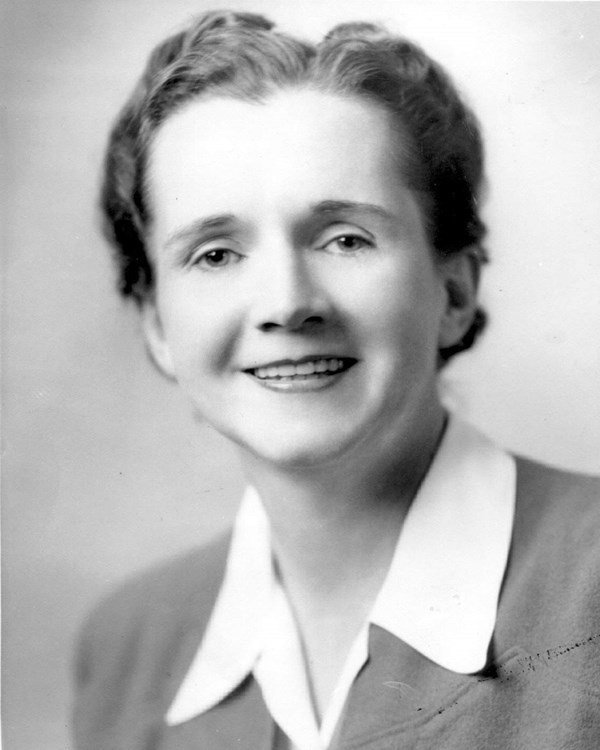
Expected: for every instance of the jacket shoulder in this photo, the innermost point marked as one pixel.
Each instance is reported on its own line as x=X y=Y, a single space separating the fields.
x=551 y=498
x=189 y=581
x=539 y=478
x=555 y=549
x=137 y=644
x=550 y=601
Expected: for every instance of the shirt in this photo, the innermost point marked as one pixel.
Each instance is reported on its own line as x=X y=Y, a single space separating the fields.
x=440 y=594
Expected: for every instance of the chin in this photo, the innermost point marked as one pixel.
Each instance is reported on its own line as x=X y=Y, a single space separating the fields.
x=298 y=452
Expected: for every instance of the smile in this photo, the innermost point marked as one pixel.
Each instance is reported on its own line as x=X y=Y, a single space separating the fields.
x=307 y=372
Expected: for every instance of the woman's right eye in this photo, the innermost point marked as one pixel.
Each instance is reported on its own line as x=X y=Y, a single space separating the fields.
x=220 y=257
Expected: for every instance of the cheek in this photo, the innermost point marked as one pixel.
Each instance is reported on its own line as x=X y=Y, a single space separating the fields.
x=400 y=306
x=199 y=329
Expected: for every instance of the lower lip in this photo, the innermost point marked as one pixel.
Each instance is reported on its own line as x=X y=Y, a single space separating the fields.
x=300 y=383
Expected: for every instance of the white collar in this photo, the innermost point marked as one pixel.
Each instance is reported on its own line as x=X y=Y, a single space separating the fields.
x=440 y=594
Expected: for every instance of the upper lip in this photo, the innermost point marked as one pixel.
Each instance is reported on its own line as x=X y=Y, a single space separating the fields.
x=300 y=360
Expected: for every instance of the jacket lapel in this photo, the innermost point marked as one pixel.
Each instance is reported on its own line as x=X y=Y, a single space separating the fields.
x=396 y=688
x=241 y=721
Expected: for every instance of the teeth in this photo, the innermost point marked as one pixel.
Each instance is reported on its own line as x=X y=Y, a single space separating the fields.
x=304 y=368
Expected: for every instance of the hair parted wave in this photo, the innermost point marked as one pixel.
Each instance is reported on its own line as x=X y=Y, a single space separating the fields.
x=242 y=55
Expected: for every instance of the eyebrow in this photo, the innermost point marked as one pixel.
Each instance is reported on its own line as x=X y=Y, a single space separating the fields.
x=199 y=227
x=325 y=208
x=221 y=222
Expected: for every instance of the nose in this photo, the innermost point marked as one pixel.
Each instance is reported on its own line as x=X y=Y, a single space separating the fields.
x=288 y=294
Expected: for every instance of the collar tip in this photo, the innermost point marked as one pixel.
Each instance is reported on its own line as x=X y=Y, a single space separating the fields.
x=175 y=717
x=179 y=713
x=467 y=664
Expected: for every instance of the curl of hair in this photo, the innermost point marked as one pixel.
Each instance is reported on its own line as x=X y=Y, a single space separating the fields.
x=242 y=56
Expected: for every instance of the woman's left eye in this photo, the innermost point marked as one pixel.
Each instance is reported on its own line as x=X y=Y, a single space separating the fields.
x=348 y=243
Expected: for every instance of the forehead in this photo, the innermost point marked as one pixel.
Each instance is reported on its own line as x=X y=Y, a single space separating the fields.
x=223 y=155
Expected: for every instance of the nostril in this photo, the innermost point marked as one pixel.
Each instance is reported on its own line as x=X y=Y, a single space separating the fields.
x=295 y=322
x=304 y=323
x=268 y=326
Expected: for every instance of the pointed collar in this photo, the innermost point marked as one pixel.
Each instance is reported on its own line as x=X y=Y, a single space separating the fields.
x=239 y=623
x=440 y=594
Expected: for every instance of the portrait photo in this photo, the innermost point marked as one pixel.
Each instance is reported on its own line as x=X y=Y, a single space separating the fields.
x=300 y=375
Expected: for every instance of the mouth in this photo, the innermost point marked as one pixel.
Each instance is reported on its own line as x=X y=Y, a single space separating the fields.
x=306 y=372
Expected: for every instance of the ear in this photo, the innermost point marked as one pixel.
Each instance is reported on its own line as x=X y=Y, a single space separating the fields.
x=460 y=278
x=156 y=343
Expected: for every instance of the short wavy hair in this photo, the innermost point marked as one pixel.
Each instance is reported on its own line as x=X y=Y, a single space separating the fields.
x=242 y=56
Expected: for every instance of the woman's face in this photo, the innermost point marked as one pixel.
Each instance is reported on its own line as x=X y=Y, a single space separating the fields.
x=297 y=301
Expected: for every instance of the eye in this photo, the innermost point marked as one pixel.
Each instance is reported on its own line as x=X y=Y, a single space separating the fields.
x=348 y=243
x=219 y=257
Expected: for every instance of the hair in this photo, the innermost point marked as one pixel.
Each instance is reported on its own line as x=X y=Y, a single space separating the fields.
x=242 y=56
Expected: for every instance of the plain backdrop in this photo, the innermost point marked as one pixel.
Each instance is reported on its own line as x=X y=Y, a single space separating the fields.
x=104 y=471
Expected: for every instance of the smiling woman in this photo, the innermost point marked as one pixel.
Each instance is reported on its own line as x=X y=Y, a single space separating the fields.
x=323 y=257
x=299 y=227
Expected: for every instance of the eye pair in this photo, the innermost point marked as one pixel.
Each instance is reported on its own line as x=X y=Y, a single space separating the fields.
x=220 y=257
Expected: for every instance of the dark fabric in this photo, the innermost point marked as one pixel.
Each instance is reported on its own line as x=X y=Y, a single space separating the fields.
x=540 y=690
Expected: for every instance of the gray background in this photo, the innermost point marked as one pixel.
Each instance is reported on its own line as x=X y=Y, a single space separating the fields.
x=104 y=471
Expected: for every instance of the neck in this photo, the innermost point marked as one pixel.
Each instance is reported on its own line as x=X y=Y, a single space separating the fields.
x=334 y=528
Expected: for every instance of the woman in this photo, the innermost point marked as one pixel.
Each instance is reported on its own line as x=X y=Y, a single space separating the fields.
x=299 y=227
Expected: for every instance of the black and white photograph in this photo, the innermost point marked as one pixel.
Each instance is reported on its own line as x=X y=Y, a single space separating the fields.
x=300 y=375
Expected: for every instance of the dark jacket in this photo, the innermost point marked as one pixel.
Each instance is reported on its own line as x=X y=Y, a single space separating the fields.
x=540 y=689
